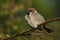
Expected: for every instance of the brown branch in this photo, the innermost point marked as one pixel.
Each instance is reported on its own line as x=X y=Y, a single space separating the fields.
x=51 y=20
x=15 y=35
x=19 y=34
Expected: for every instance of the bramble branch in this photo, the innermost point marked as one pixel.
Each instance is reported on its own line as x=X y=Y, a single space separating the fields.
x=19 y=34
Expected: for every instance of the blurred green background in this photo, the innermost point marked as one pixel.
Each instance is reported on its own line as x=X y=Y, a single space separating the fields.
x=12 y=20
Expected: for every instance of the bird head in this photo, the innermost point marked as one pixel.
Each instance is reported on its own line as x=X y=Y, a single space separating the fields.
x=31 y=11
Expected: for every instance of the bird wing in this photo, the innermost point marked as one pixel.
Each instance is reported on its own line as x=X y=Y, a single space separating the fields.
x=37 y=19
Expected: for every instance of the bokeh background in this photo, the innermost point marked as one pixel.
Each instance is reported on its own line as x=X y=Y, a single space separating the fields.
x=12 y=20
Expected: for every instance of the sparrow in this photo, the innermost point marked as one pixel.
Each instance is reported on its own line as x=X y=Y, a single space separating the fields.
x=34 y=19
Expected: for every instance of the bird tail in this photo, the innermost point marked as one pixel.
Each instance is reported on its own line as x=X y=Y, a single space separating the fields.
x=48 y=30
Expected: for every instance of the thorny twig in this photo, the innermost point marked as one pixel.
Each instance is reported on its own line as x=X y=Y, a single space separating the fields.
x=19 y=34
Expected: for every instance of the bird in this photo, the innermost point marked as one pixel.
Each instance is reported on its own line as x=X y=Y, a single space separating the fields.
x=34 y=19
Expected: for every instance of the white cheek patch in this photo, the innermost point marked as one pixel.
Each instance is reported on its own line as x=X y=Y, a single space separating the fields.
x=35 y=11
